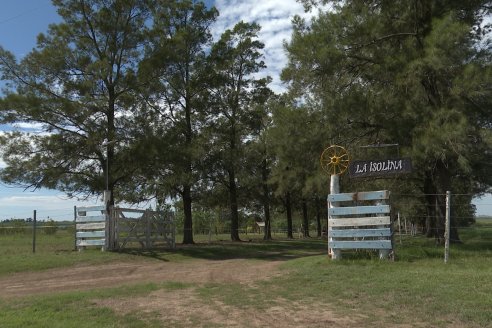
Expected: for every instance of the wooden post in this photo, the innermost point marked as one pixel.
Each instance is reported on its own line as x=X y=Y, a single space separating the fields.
x=75 y=228
x=336 y=254
x=109 y=231
x=448 y=224
x=148 y=222
x=383 y=253
x=34 y=232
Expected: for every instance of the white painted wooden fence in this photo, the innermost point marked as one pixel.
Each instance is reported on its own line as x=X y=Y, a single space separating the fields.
x=91 y=229
x=355 y=222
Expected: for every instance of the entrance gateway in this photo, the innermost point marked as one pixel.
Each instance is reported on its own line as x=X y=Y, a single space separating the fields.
x=360 y=220
x=123 y=228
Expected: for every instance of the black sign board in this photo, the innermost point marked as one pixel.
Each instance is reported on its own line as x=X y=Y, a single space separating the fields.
x=379 y=167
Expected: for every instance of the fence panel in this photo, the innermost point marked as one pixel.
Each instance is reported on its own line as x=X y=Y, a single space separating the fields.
x=90 y=229
x=355 y=226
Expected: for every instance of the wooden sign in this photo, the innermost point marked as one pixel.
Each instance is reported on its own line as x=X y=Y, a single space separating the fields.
x=380 y=167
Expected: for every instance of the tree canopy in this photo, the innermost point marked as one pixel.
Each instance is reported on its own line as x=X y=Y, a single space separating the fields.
x=416 y=73
x=136 y=96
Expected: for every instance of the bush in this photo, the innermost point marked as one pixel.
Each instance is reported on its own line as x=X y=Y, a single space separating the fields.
x=50 y=227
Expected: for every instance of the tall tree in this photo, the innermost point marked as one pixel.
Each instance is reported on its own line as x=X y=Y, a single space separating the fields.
x=259 y=161
x=236 y=58
x=78 y=86
x=411 y=72
x=297 y=139
x=176 y=61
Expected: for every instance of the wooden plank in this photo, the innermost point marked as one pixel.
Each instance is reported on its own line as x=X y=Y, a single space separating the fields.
x=91 y=234
x=129 y=210
x=91 y=226
x=91 y=208
x=359 y=196
x=93 y=218
x=347 y=233
x=363 y=244
x=358 y=222
x=91 y=242
x=359 y=210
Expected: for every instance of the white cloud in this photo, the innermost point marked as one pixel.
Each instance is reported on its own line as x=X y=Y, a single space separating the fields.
x=28 y=126
x=22 y=205
x=274 y=17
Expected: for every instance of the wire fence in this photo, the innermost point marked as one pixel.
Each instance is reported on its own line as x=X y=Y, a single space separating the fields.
x=411 y=215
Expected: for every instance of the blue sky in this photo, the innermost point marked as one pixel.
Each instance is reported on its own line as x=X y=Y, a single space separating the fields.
x=22 y=20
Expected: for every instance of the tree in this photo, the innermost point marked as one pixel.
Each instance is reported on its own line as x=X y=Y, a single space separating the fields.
x=78 y=85
x=259 y=160
x=297 y=139
x=177 y=62
x=415 y=73
x=236 y=57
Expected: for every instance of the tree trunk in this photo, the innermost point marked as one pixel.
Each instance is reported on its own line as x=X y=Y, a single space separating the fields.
x=318 y=216
x=266 y=201
x=188 y=222
x=429 y=191
x=233 y=206
x=305 y=220
x=444 y=177
x=288 y=210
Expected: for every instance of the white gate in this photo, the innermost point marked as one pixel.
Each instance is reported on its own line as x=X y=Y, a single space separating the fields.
x=91 y=229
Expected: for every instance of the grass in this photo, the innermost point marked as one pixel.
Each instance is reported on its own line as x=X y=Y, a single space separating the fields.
x=416 y=289
x=52 y=251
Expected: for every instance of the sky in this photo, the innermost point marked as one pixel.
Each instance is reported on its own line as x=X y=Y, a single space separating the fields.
x=22 y=20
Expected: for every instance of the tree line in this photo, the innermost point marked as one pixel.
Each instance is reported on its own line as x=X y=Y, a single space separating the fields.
x=136 y=97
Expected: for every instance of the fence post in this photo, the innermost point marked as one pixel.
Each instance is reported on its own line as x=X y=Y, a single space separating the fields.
x=34 y=232
x=75 y=228
x=336 y=254
x=448 y=224
x=109 y=231
x=384 y=253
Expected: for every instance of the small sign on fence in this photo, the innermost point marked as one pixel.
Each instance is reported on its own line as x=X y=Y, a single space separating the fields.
x=380 y=168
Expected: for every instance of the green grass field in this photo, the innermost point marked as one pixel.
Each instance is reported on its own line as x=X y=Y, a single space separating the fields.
x=418 y=289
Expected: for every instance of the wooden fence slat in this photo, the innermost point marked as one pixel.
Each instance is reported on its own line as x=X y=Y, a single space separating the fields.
x=358 y=222
x=363 y=244
x=130 y=210
x=91 y=208
x=359 y=210
x=348 y=233
x=92 y=218
x=359 y=196
x=91 y=242
x=91 y=234
x=91 y=226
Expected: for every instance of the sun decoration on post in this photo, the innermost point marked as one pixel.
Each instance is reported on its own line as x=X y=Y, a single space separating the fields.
x=335 y=160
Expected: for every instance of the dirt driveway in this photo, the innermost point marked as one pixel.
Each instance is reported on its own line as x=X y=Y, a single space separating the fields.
x=182 y=308
x=122 y=273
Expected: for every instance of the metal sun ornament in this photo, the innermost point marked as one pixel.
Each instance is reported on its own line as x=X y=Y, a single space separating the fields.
x=335 y=160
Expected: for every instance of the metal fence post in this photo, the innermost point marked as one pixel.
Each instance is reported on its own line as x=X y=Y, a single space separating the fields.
x=34 y=232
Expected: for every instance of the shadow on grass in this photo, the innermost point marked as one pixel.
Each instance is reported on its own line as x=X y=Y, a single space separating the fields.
x=274 y=250
x=477 y=241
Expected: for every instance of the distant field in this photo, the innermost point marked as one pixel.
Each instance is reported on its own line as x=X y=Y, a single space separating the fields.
x=281 y=283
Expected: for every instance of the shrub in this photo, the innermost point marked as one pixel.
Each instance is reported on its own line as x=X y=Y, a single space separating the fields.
x=50 y=227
